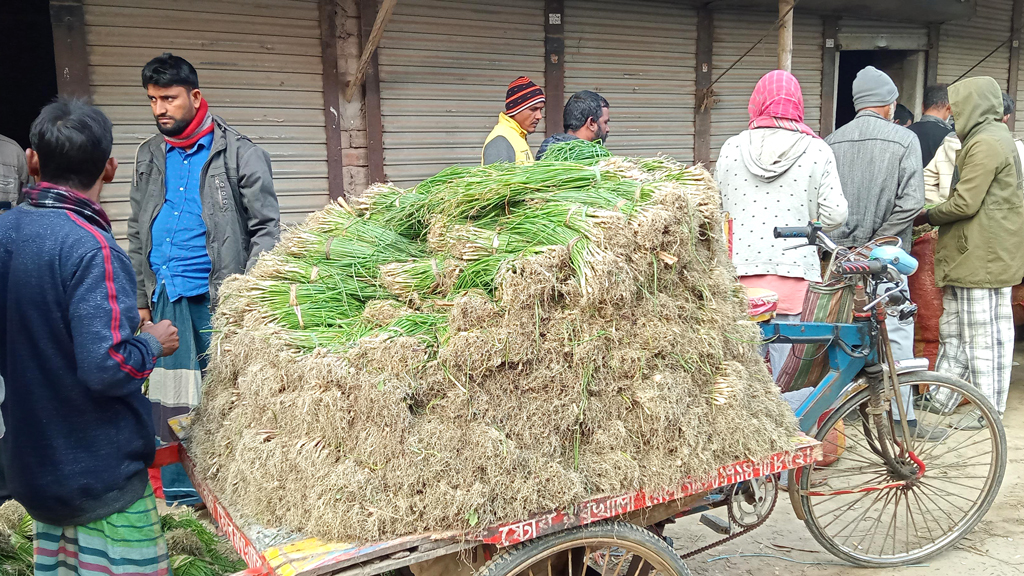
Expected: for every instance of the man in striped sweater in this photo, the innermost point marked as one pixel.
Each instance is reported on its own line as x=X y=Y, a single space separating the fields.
x=79 y=430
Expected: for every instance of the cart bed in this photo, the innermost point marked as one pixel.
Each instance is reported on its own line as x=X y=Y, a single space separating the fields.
x=269 y=552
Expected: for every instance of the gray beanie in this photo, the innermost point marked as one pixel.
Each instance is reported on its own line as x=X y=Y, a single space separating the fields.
x=872 y=87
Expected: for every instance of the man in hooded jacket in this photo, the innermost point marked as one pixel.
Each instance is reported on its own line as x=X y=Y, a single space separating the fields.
x=979 y=255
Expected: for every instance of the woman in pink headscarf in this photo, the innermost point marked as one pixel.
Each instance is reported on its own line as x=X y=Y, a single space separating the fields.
x=778 y=173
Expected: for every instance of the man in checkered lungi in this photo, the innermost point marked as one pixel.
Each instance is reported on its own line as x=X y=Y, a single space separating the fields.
x=980 y=251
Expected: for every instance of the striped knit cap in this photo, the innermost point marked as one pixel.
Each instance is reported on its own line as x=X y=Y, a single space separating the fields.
x=522 y=93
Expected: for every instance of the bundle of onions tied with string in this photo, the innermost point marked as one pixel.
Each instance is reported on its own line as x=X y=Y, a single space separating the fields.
x=496 y=342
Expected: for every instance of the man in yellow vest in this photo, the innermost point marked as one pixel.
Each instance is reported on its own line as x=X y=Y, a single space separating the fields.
x=524 y=109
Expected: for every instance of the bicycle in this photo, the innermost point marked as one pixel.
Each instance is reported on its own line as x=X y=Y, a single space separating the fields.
x=891 y=498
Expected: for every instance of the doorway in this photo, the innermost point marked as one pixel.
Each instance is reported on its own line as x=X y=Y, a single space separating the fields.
x=905 y=67
x=27 y=68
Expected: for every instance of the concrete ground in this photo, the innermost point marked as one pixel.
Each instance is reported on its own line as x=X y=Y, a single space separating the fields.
x=995 y=548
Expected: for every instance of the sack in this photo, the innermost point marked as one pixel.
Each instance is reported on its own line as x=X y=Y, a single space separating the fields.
x=807 y=364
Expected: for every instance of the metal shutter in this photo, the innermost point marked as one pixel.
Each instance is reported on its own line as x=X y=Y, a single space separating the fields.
x=964 y=44
x=444 y=69
x=734 y=33
x=259 y=68
x=640 y=57
x=856 y=34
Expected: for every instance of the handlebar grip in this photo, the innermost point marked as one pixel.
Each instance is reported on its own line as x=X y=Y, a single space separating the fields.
x=865 y=267
x=791 y=231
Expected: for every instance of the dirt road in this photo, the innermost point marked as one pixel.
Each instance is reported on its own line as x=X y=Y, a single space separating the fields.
x=995 y=548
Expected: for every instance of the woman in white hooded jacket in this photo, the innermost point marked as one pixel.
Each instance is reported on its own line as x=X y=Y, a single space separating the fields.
x=778 y=173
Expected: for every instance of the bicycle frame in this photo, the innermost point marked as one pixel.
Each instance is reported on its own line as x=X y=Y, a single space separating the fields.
x=849 y=349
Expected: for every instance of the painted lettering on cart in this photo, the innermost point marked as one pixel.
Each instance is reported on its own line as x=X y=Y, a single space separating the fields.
x=610 y=507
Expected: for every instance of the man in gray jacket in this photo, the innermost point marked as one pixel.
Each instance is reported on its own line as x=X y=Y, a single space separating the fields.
x=879 y=166
x=13 y=173
x=203 y=208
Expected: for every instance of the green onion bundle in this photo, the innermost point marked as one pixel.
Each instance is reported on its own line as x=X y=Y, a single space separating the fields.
x=390 y=207
x=424 y=276
x=577 y=152
x=296 y=306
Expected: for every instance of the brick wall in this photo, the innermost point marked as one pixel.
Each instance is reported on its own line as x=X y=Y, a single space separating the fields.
x=353 y=116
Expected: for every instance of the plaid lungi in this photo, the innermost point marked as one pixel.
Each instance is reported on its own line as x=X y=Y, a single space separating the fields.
x=175 y=386
x=976 y=343
x=128 y=543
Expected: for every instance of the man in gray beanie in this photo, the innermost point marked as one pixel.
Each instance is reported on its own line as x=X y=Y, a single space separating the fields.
x=879 y=165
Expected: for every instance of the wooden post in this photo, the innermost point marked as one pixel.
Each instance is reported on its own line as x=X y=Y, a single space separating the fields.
x=371 y=98
x=1014 y=77
x=332 y=106
x=704 y=94
x=786 y=35
x=932 y=71
x=370 y=43
x=554 y=64
x=828 y=75
x=67 y=20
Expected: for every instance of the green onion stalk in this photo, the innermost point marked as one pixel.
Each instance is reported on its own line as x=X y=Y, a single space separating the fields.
x=577 y=152
x=297 y=306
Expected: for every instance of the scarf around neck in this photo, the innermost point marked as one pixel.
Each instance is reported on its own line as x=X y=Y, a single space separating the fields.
x=200 y=126
x=46 y=195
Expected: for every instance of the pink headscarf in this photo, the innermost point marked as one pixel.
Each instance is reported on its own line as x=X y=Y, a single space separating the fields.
x=778 y=102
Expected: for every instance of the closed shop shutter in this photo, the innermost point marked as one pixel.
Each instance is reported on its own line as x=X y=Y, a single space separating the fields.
x=444 y=69
x=857 y=34
x=734 y=33
x=964 y=44
x=259 y=68
x=638 y=55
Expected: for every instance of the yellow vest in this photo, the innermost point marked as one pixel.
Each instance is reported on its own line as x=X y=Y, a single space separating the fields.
x=516 y=136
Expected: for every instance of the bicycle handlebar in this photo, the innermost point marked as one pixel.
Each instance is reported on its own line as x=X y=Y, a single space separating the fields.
x=793 y=231
x=871 y=267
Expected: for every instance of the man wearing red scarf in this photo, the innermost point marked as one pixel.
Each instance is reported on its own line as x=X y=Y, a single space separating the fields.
x=203 y=208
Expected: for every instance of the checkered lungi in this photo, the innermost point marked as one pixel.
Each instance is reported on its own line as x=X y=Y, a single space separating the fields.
x=976 y=343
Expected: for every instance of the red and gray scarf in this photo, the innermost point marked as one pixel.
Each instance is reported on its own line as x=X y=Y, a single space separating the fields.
x=201 y=125
x=46 y=195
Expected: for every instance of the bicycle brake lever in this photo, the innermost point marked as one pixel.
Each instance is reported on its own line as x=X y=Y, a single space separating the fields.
x=797 y=247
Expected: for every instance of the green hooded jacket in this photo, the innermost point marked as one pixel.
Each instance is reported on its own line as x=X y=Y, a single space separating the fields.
x=981 y=225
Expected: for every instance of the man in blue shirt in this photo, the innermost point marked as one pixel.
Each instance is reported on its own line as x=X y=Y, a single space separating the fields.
x=203 y=208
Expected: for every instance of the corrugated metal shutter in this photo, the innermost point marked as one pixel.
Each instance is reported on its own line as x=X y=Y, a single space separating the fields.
x=857 y=34
x=444 y=68
x=734 y=33
x=651 y=90
x=259 y=68
x=964 y=44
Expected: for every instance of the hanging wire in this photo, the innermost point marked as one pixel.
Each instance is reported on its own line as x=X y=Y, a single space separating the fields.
x=758 y=43
x=994 y=50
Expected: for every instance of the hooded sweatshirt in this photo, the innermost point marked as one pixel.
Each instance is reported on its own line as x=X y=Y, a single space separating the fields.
x=772 y=177
x=981 y=225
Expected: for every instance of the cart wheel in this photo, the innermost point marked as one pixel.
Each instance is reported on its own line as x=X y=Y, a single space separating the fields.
x=874 y=515
x=604 y=548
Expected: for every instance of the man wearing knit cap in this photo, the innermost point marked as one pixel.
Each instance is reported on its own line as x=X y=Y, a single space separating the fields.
x=879 y=165
x=524 y=109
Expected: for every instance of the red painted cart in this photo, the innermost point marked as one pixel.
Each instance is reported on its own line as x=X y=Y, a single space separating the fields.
x=604 y=535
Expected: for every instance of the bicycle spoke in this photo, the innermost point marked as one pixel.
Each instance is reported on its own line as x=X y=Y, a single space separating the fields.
x=859 y=472
x=931 y=449
x=925 y=511
x=860 y=517
x=843 y=506
x=848 y=437
x=878 y=521
x=925 y=494
x=940 y=491
x=607 y=562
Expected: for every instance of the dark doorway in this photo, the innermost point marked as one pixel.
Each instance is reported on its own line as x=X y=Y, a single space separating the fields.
x=892 y=62
x=27 y=71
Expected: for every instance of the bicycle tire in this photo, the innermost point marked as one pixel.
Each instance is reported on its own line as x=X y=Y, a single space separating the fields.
x=514 y=561
x=959 y=528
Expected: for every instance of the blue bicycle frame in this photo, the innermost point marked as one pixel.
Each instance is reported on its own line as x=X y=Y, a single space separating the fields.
x=849 y=348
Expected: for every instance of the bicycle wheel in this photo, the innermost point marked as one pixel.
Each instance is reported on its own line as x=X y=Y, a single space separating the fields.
x=604 y=548
x=877 y=515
